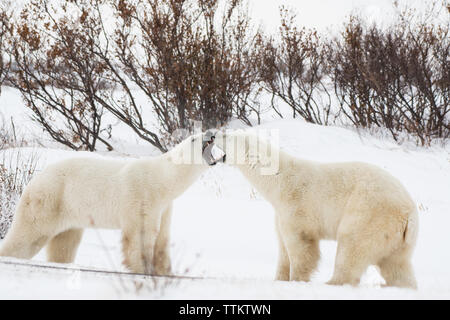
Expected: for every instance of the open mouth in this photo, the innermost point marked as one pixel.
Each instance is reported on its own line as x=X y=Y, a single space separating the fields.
x=212 y=153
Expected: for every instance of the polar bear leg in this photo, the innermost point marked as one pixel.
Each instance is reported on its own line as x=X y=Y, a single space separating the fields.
x=22 y=241
x=138 y=241
x=352 y=260
x=283 y=269
x=397 y=270
x=304 y=257
x=161 y=259
x=302 y=247
x=36 y=220
x=63 y=247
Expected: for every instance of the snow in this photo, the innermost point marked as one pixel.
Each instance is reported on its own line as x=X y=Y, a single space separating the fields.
x=224 y=231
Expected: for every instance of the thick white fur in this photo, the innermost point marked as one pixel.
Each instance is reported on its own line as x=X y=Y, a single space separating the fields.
x=363 y=207
x=134 y=196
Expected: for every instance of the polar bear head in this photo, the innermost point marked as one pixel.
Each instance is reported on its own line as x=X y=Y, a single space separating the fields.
x=197 y=149
x=249 y=149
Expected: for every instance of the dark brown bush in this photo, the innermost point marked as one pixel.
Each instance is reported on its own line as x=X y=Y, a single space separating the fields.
x=5 y=61
x=57 y=74
x=293 y=70
x=395 y=77
x=189 y=66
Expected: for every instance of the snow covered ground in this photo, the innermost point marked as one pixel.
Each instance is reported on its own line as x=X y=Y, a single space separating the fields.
x=224 y=231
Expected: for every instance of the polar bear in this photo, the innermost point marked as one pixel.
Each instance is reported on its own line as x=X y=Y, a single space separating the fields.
x=134 y=196
x=363 y=207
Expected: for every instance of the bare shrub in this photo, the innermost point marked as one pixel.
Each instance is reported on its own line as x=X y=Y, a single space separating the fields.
x=57 y=74
x=16 y=170
x=189 y=66
x=425 y=106
x=77 y=60
x=292 y=68
x=5 y=61
x=396 y=77
x=9 y=138
x=121 y=101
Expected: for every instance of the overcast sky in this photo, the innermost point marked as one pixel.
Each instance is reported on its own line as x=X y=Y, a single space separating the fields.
x=323 y=14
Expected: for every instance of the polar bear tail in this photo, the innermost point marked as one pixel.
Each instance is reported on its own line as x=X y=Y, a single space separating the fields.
x=411 y=229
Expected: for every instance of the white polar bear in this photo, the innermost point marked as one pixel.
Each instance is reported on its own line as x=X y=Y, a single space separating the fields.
x=134 y=196
x=363 y=207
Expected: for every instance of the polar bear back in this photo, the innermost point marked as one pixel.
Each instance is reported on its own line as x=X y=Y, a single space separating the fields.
x=334 y=191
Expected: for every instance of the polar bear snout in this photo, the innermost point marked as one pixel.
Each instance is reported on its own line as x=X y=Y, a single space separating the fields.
x=212 y=153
